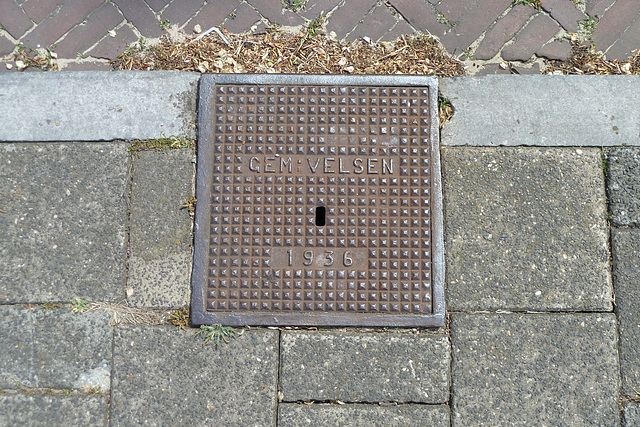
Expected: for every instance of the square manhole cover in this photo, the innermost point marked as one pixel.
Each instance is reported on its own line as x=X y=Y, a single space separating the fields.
x=319 y=202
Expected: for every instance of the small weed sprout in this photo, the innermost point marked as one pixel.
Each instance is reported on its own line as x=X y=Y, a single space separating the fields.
x=315 y=25
x=294 y=5
x=79 y=306
x=586 y=28
x=165 y=24
x=605 y=165
x=232 y=15
x=443 y=19
x=218 y=333
x=190 y=204
x=94 y=390
x=180 y=318
x=445 y=108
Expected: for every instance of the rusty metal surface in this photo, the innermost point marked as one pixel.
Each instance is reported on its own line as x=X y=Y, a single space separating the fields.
x=317 y=203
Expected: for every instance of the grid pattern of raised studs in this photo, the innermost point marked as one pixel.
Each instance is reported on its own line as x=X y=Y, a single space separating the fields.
x=282 y=151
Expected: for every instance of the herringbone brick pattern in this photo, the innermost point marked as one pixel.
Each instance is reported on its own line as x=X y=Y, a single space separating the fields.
x=88 y=33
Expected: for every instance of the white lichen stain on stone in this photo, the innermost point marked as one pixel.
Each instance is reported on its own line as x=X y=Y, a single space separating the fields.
x=99 y=377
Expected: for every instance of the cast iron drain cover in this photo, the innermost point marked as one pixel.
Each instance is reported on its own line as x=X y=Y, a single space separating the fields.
x=319 y=202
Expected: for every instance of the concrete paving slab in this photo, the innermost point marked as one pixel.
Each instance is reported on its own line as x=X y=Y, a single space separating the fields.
x=543 y=110
x=630 y=414
x=165 y=376
x=625 y=245
x=364 y=367
x=43 y=410
x=534 y=369
x=623 y=185
x=160 y=229
x=525 y=229
x=54 y=348
x=97 y=106
x=294 y=415
x=63 y=221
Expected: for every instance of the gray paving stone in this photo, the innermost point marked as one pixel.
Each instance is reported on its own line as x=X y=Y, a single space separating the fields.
x=374 y=25
x=160 y=229
x=474 y=22
x=534 y=369
x=313 y=9
x=421 y=16
x=559 y=50
x=245 y=17
x=597 y=7
x=59 y=410
x=54 y=348
x=525 y=229
x=345 y=18
x=565 y=12
x=165 y=376
x=6 y=47
x=275 y=13
x=212 y=13
x=81 y=37
x=179 y=12
x=614 y=22
x=626 y=272
x=110 y=47
x=40 y=9
x=64 y=18
x=543 y=110
x=625 y=47
x=13 y=19
x=623 y=186
x=364 y=367
x=140 y=15
x=97 y=106
x=63 y=221
x=294 y=415
x=503 y=30
x=537 y=32
x=630 y=414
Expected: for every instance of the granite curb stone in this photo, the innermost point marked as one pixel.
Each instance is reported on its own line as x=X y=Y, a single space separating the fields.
x=625 y=245
x=42 y=410
x=293 y=415
x=630 y=414
x=321 y=366
x=160 y=229
x=534 y=369
x=54 y=348
x=97 y=106
x=525 y=229
x=623 y=185
x=164 y=375
x=63 y=221
x=542 y=110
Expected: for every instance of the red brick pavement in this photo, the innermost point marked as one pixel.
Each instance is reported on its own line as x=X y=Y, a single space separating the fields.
x=85 y=34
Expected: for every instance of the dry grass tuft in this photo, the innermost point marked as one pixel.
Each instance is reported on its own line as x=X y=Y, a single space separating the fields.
x=123 y=314
x=308 y=52
x=585 y=60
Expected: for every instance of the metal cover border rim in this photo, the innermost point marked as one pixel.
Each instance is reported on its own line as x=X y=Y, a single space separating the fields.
x=200 y=316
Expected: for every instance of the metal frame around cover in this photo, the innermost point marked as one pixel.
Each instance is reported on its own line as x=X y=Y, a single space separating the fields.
x=200 y=316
